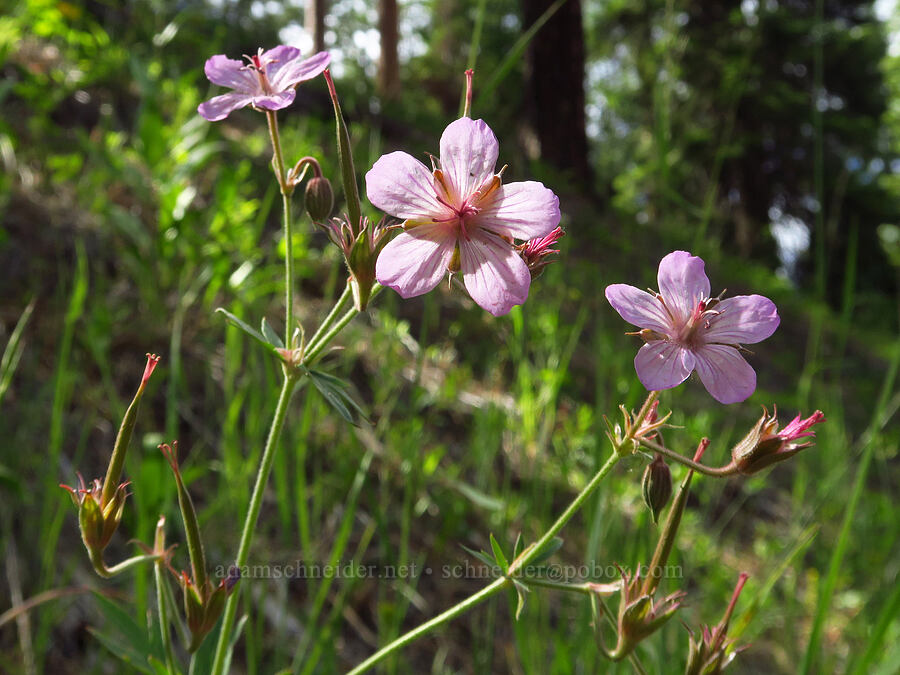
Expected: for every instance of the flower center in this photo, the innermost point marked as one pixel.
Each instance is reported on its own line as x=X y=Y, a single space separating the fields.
x=691 y=332
x=259 y=66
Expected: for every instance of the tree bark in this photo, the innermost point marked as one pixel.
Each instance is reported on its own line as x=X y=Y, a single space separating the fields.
x=389 y=63
x=315 y=22
x=556 y=86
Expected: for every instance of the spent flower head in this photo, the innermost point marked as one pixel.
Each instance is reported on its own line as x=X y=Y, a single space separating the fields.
x=535 y=251
x=710 y=650
x=459 y=216
x=100 y=506
x=764 y=445
x=361 y=245
x=265 y=82
x=685 y=329
x=98 y=519
x=639 y=615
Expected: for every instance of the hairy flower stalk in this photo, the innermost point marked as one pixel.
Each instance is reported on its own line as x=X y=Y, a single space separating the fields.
x=685 y=329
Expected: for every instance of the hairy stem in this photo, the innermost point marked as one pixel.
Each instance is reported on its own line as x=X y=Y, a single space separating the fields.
x=262 y=477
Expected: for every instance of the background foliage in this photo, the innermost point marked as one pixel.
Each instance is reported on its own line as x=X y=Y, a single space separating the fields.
x=762 y=136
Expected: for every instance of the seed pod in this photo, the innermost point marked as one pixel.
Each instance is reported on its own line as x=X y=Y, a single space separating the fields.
x=656 y=486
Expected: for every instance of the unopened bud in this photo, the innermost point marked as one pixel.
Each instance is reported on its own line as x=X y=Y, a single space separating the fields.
x=656 y=487
x=319 y=198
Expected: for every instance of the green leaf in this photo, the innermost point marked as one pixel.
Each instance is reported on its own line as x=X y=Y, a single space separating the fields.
x=481 y=555
x=270 y=335
x=517 y=547
x=498 y=555
x=125 y=637
x=554 y=545
x=521 y=590
x=247 y=328
x=335 y=392
x=477 y=497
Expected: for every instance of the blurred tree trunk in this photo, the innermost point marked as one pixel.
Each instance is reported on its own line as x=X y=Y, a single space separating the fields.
x=389 y=63
x=315 y=22
x=556 y=86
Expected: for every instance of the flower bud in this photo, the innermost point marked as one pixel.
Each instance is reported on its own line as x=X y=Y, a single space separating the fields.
x=656 y=486
x=319 y=198
x=764 y=445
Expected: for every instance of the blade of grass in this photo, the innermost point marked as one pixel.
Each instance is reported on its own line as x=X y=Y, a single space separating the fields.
x=51 y=520
x=883 y=411
x=514 y=55
x=334 y=559
x=12 y=353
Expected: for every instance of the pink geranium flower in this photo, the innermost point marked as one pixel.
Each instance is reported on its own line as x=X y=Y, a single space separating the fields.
x=459 y=206
x=685 y=329
x=267 y=81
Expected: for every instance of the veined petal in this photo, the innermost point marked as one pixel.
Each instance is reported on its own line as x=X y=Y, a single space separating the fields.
x=639 y=308
x=725 y=373
x=231 y=73
x=276 y=101
x=682 y=282
x=402 y=186
x=743 y=319
x=469 y=152
x=494 y=274
x=220 y=107
x=525 y=210
x=663 y=365
x=415 y=261
x=287 y=71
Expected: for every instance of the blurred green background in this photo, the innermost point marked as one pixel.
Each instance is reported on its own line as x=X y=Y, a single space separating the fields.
x=762 y=135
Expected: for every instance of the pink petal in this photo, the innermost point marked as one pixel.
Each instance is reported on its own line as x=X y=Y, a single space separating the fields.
x=276 y=101
x=469 y=152
x=416 y=260
x=494 y=274
x=682 y=282
x=288 y=71
x=220 y=107
x=663 y=365
x=638 y=307
x=231 y=73
x=524 y=210
x=402 y=186
x=725 y=373
x=743 y=319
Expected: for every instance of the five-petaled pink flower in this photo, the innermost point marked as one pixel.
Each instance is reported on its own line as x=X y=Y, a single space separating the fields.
x=267 y=81
x=685 y=329
x=459 y=206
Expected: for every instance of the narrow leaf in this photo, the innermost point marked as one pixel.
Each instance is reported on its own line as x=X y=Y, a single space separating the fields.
x=335 y=392
x=498 y=555
x=270 y=335
x=521 y=590
x=247 y=328
x=554 y=545
x=481 y=555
